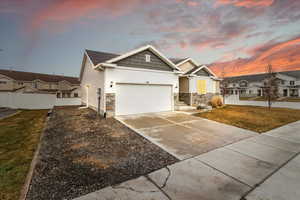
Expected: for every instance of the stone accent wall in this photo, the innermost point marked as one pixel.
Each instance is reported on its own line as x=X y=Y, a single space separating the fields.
x=110 y=102
x=176 y=98
x=185 y=97
x=198 y=99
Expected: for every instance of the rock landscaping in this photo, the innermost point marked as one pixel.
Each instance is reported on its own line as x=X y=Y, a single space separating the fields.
x=81 y=153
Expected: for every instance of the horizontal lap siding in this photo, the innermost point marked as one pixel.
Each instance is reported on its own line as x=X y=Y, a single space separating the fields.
x=139 y=61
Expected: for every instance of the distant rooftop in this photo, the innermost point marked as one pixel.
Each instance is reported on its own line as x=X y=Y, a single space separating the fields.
x=262 y=76
x=31 y=76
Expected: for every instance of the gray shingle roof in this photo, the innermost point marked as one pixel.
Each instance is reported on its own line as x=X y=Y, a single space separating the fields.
x=177 y=60
x=249 y=78
x=261 y=77
x=99 y=57
x=192 y=70
x=295 y=74
x=30 y=76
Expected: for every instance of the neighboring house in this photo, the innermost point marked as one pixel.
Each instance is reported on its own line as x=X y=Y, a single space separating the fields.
x=253 y=85
x=197 y=84
x=140 y=81
x=28 y=82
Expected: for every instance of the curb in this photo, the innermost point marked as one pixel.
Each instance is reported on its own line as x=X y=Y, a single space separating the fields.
x=29 y=176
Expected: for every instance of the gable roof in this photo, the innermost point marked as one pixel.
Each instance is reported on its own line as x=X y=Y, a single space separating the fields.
x=262 y=76
x=135 y=51
x=99 y=57
x=198 y=68
x=249 y=78
x=31 y=76
x=295 y=74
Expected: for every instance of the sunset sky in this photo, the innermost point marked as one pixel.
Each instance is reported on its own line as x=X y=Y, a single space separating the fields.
x=241 y=36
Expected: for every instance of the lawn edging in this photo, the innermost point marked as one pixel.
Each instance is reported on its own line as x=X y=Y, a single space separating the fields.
x=28 y=179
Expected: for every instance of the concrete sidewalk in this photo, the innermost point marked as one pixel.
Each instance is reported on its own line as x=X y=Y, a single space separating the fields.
x=262 y=167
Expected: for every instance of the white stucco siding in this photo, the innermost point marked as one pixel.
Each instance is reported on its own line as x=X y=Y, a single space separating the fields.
x=210 y=84
x=94 y=79
x=125 y=75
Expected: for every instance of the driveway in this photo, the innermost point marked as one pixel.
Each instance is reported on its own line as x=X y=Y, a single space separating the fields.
x=264 y=167
x=182 y=135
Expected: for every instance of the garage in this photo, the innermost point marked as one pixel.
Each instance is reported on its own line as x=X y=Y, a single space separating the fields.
x=142 y=98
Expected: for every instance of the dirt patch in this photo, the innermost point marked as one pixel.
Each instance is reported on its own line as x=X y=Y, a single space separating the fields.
x=82 y=153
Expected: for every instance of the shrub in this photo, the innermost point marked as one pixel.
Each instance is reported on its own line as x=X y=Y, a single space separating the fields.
x=216 y=101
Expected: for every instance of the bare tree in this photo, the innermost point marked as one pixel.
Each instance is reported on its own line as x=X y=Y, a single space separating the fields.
x=223 y=84
x=270 y=85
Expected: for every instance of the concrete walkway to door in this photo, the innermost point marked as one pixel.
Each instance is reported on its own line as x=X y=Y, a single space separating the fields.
x=182 y=135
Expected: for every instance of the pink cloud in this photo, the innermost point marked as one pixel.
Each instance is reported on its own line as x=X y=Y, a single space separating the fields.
x=246 y=3
x=283 y=56
x=66 y=11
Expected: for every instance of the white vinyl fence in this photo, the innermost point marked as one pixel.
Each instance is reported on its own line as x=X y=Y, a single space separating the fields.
x=235 y=100
x=34 y=101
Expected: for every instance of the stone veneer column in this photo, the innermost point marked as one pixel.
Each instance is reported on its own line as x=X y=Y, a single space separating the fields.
x=176 y=98
x=110 y=103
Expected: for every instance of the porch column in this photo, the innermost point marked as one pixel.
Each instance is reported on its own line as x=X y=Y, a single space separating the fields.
x=288 y=92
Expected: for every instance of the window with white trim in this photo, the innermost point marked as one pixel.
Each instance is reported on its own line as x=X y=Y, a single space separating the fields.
x=148 y=58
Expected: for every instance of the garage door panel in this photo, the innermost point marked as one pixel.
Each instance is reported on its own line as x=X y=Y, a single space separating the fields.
x=134 y=99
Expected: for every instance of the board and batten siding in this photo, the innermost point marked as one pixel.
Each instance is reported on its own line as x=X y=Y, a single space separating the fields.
x=139 y=61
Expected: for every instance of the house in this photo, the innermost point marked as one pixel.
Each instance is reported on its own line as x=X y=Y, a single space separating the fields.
x=253 y=85
x=139 y=81
x=29 y=82
x=197 y=84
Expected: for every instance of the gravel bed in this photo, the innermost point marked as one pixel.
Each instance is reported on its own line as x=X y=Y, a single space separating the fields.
x=82 y=153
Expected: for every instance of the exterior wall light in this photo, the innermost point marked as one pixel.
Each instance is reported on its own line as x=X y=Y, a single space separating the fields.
x=111 y=84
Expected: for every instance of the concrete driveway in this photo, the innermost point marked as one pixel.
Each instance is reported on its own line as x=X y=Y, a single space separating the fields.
x=264 y=167
x=183 y=135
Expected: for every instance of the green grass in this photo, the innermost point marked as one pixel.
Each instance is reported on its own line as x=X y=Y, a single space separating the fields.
x=258 y=119
x=19 y=137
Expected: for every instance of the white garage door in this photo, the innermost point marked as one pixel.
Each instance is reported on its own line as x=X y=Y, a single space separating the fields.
x=134 y=99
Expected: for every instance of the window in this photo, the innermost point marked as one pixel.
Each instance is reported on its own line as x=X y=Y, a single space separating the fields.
x=250 y=91
x=243 y=84
x=58 y=95
x=20 y=83
x=282 y=82
x=2 y=82
x=292 y=82
x=201 y=86
x=68 y=95
x=148 y=58
x=75 y=94
x=233 y=85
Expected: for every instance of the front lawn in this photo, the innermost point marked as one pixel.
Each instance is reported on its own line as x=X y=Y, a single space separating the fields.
x=254 y=118
x=19 y=137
